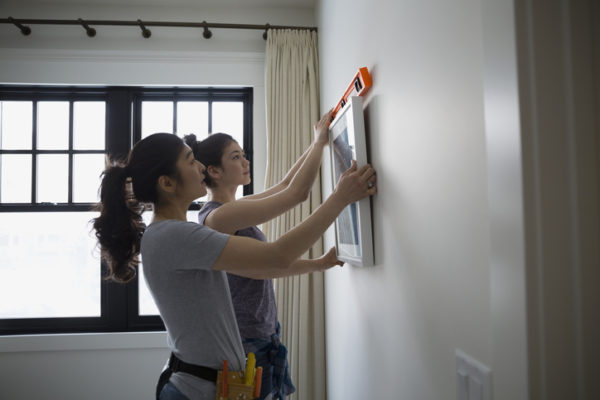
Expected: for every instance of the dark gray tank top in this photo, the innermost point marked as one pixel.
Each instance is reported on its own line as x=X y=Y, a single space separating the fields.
x=253 y=299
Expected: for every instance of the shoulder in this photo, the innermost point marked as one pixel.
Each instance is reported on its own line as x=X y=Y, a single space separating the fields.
x=206 y=209
x=170 y=225
x=176 y=229
x=182 y=244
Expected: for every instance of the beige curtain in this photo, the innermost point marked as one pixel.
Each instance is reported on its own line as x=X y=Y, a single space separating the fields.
x=292 y=94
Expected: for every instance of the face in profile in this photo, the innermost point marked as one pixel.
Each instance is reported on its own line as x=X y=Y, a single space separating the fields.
x=235 y=168
x=191 y=173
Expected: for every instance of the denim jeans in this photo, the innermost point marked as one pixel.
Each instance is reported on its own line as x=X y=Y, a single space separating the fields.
x=170 y=392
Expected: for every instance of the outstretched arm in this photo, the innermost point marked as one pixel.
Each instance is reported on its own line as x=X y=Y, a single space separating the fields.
x=299 y=267
x=256 y=209
x=304 y=171
x=259 y=260
x=285 y=182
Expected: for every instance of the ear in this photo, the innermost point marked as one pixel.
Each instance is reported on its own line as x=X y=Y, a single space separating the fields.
x=214 y=172
x=166 y=184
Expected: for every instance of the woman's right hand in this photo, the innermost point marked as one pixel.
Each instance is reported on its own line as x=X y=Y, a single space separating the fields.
x=356 y=183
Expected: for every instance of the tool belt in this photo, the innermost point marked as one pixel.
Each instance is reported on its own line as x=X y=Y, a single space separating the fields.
x=243 y=385
x=177 y=365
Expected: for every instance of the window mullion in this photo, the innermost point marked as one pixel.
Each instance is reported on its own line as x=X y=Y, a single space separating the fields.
x=70 y=179
x=210 y=104
x=33 y=152
x=118 y=143
x=118 y=123
x=174 y=115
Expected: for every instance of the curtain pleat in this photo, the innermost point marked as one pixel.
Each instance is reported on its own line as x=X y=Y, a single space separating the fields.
x=292 y=104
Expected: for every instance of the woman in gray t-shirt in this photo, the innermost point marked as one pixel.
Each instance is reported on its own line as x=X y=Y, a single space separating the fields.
x=254 y=299
x=185 y=263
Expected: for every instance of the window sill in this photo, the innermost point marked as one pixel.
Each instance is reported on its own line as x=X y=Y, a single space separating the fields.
x=83 y=341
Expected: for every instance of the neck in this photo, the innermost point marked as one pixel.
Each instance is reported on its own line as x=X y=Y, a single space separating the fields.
x=222 y=194
x=170 y=210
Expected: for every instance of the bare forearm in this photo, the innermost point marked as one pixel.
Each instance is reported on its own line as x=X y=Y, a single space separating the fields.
x=285 y=182
x=235 y=215
x=303 y=180
x=297 y=267
x=300 y=267
x=294 y=243
x=292 y=172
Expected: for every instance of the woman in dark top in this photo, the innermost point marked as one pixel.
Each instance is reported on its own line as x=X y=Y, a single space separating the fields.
x=254 y=299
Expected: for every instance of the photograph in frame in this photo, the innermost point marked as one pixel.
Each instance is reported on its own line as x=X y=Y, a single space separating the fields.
x=353 y=232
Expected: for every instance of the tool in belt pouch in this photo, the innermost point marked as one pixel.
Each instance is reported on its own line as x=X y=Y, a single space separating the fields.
x=240 y=385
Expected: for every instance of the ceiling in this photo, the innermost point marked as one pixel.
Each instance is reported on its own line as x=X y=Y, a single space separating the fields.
x=209 y=3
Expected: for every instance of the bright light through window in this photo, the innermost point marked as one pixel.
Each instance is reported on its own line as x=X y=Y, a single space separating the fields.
x=157 y=116
x=228 y=117
x=53 y=125
x=49 y=265
x=53 y=178
x=89 y=125
x=15 y=178
x=86 y=177
x=15 y=129
x=192 y=117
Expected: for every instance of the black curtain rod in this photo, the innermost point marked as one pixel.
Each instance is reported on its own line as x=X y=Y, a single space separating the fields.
x=25 y=30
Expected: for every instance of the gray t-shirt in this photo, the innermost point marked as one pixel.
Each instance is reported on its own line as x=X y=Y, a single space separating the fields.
x=194 y=301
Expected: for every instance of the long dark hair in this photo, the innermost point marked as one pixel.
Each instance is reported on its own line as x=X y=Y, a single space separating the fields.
x=125 y=187
x=209 y=151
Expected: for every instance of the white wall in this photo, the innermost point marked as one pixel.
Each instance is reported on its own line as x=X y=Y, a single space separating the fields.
x=506 y=211
x=392 y=329
x=483 y=124
x=123 y=366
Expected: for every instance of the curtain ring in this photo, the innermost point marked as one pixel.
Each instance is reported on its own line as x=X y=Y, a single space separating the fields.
x=266 y=30
x=207 y=34
x=145 y=31
x=25 y=30
x=91 y=32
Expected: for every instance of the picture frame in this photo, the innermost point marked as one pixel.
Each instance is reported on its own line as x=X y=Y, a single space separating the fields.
x=347 y=142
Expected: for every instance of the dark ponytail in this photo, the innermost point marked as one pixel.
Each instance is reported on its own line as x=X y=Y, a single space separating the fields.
x=124 y=189
x=120 y=226
x=209 y=151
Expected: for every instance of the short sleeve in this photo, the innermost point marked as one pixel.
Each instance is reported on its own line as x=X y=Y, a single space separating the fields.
x=180 y=245
x=200 y=246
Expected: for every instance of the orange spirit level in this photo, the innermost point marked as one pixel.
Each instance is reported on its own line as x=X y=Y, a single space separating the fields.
x=360 y=84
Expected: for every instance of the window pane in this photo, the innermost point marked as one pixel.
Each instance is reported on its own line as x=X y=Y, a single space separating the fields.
x=15 y=178
x=16 y=125
x=86 y=177
x=146 y=302
x=89 y=125
x=53 y=125
x=48 y=265
x=228 y=117
x=157 y=116
x=52 y=178
x=192 y=117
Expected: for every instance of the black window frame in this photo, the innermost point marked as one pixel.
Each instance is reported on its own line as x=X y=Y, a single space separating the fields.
x=119 y=302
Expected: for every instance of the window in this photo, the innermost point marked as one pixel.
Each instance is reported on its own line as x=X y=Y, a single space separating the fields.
x=53 y=142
